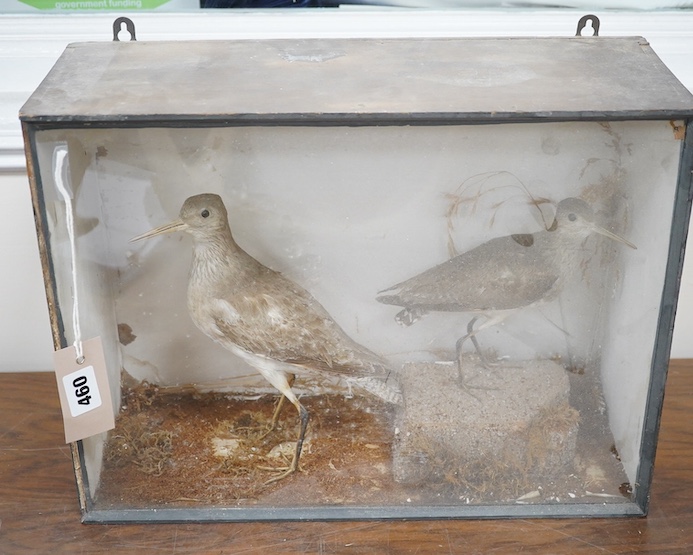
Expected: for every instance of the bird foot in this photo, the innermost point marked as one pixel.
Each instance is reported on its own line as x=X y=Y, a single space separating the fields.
x=464 y=382
x=486 y=363
x=267 y=431
x=282 y=472
x=259 y=432
x=283 y=452
x=256 y=434
x=483 y=360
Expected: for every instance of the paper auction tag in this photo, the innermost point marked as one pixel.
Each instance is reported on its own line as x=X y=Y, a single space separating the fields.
x=85 y=397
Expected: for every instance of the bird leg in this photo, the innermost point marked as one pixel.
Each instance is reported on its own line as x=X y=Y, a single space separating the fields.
x=304 y=416
x=281 y=381
x=278 y=408
x=471 y=334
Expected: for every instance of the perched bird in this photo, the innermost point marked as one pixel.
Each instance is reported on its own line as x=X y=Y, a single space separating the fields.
x=502 y=275
x=264 y=318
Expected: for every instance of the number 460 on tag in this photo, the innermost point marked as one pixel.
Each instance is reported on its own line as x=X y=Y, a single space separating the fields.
x=82 y=391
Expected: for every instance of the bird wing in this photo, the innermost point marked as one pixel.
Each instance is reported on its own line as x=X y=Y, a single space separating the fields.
x=503 y=273
x=285 y=323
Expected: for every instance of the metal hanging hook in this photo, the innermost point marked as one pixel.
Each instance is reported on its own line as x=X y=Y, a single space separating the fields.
x=129 y=27
x=583 y=23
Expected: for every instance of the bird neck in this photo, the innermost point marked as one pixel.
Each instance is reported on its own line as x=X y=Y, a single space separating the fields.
x=217 y=257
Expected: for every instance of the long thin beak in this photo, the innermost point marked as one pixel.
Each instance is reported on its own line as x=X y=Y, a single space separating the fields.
x=177 y=225
x=607 y=233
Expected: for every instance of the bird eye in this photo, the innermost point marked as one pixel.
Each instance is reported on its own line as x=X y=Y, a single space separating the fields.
x=205 y=213
x=572 y=217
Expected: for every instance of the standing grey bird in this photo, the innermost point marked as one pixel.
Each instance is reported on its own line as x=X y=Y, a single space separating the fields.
x=265 y=319
x=502 y=275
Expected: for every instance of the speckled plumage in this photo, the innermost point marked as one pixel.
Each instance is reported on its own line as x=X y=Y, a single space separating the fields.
x=503 y=274
x=269 y=321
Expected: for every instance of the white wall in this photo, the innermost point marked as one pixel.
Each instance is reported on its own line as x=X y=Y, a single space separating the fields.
x=30 y=45
x=25 y=341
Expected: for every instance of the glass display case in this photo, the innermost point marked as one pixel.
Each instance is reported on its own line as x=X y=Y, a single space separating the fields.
x=456 y=260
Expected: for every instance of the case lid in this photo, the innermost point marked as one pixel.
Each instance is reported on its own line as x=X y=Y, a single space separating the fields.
x=358 y=81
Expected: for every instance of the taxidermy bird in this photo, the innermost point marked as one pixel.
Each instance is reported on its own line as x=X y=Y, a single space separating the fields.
x=264 y=318
x=500 y=276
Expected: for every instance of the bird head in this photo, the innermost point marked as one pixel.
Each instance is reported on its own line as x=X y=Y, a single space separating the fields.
x=202 y=216
x=575 y=217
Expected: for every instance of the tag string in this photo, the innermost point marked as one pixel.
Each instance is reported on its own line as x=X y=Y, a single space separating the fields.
x=60 y=156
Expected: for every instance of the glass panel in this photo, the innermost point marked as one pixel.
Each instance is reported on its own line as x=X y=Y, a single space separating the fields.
x=548 y=409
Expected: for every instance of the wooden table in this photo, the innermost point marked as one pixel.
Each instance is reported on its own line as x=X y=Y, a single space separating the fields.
x=39 y=511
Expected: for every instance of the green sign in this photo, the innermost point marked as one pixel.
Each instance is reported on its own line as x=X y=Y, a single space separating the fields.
x=94 y=4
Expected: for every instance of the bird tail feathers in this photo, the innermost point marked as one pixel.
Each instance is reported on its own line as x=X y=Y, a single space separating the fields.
x=387 y=391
